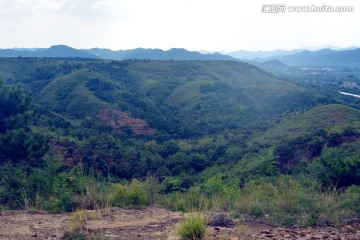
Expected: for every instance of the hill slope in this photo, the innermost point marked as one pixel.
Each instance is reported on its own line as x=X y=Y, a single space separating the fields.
x=184 y=98
x=331 y=118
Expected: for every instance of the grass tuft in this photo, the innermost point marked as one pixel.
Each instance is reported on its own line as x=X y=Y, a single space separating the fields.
x=193 y=228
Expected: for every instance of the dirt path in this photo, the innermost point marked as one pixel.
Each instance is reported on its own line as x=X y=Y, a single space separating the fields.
x=150 y=223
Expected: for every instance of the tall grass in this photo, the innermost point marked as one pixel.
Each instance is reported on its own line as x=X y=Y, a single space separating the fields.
x=192 y=228
x=285 y=199
x=93 y=193
x=293 y=200
x=31 y=201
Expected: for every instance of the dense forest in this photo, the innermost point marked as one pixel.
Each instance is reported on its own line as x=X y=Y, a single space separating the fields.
x=189 y=135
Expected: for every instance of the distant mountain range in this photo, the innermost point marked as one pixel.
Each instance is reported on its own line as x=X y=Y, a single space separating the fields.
x=59 y=51
x=269 y=65
x=323 y=57
x=261 y=55
x=263 y=59
x=258 y=55
x=62 y=51
x=156 y=54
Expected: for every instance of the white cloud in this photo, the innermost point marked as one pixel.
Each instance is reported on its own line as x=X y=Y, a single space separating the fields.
x=193 y=24
x=18 y=7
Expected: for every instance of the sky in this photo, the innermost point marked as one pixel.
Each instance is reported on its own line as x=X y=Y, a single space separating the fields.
x=212 y=25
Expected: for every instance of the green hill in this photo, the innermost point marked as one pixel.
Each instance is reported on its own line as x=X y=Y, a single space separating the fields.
x=216 y=95
x=70 y=95
x=333 y=117
x=186 y=98
x=132 y=118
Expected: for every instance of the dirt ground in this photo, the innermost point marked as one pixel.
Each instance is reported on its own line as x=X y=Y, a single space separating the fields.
x=150 y=223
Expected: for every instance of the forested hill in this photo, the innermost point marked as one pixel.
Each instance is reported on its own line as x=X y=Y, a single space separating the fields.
x=178 y=98
x=203 y=135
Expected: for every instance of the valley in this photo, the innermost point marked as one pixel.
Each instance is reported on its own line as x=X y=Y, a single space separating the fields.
x=188 y=136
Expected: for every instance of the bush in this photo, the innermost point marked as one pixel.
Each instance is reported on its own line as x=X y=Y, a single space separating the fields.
x=191 y=201
x=132 y=195
x=221 y=220
x=65 y=203
x=91 y=192
x=347 y=206
x=74 y=236
x=193 y=228
x=153 y=190
x=351 y=199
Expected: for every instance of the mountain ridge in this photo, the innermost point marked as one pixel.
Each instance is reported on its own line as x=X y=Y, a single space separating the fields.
x=63 y=51
x=322 y=57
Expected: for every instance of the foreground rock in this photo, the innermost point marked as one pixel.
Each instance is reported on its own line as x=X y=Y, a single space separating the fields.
x=150 y=223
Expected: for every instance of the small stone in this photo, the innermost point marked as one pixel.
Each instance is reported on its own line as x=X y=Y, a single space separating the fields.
x=350 y=228
x=268 y=231
x=217 y=228
x=317 y=236
x=326 y=236
x=304 y=233
x=287 y=236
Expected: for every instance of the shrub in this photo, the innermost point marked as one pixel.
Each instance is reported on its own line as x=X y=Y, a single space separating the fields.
x=256 y=211
x=193 y=228
x=153 y=189
x=351 y=199
x=65 y=203
x=95 y=195
x=346 y=207
x=221 y=220
x=132 y=195
x=74 y=236
x=191 y=201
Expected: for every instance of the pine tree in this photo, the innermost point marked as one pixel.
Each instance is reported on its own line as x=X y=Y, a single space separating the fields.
x=19 y=145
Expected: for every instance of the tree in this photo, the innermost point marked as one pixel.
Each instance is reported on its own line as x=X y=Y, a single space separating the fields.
x=19 y=145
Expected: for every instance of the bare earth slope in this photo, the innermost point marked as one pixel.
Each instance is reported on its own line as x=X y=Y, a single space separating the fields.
x=151 y=223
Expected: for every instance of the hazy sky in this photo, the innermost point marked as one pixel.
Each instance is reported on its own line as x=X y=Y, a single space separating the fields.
x=221 y=25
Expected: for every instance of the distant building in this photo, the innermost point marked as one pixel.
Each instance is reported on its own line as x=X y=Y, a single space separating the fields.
x=350 y=85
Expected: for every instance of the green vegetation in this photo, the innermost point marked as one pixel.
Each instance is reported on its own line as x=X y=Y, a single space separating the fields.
x=193 y=228
x=188 y=135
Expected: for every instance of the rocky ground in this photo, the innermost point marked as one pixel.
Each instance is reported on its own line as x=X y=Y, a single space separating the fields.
x=149 y=223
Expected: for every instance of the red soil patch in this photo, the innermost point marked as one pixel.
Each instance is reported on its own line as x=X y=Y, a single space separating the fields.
x=118 y=119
